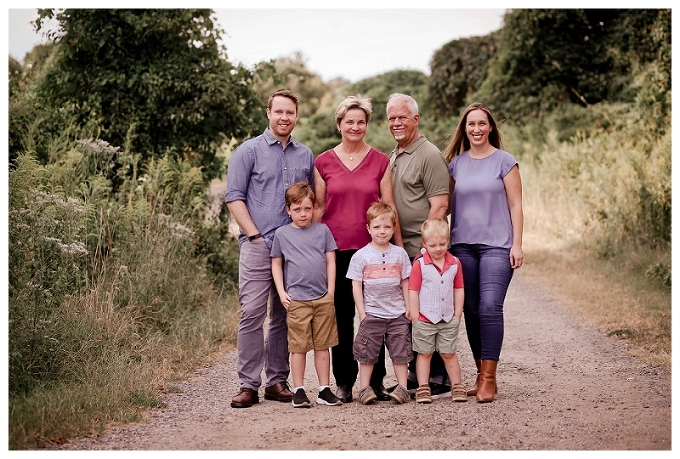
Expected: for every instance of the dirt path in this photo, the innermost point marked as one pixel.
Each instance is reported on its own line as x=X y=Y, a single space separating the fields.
x=561 y=387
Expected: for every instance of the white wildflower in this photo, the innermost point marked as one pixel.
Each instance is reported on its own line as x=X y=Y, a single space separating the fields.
x=73 y=248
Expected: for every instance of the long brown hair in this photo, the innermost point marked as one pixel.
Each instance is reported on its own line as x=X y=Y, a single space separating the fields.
x=459 y=140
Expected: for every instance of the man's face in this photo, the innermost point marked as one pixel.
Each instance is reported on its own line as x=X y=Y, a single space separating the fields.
x=282 y=117
x=403 y=125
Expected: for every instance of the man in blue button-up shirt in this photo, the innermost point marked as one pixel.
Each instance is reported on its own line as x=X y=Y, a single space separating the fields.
x=257 y=177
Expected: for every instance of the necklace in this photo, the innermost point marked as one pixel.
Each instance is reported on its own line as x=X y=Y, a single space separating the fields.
x=351 y=155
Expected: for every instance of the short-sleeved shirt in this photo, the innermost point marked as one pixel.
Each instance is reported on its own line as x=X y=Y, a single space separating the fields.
x=480 y=213
x=304 y=259
x=418 y=173
x=431 y=309
x=259 y=173
x=381 y=274
x=349 y=194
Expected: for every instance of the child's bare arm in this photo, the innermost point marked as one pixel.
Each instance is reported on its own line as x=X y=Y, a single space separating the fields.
x=414 y=305
x=404 y=290
x=330 y=272
x=277 y=274
x=358 y=293
x=458 y=298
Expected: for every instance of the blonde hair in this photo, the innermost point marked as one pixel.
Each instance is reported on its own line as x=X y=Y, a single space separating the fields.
x=380 y=209
x=350 y=102
x=459 y=140
x=434 y=227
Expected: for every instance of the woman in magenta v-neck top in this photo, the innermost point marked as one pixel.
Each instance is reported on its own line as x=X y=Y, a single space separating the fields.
x=349 y=193
x=347 y=180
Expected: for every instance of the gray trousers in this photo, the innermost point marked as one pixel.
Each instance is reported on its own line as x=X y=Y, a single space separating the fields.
x=256 y=286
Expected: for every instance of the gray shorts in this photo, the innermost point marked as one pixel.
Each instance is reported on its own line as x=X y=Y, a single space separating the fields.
x=441 y=337
x=372 y=331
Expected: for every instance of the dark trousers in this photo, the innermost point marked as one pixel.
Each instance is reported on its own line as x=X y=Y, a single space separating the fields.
x=345 y=368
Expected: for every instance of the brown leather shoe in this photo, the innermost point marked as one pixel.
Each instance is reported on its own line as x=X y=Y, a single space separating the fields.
x=245 y=398
x=487 y=382
x=279 y=392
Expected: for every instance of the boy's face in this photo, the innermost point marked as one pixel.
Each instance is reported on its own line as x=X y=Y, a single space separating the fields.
x=436 y=246
x=381 y=229
x=301 y=213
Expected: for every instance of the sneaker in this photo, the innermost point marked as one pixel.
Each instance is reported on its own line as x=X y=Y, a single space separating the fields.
x=300 y=399
x=400 y=394
x=423 y=394
x=439 y=390
x=326 y=397
x=459 y=393
x=367 y=395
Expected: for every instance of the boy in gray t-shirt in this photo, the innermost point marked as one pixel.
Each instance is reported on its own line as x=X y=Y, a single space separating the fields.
x=303 y=267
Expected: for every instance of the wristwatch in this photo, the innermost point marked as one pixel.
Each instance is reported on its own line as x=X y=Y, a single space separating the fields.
x=254 y=236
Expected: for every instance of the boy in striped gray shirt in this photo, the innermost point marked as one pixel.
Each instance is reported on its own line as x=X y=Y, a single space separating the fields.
x=379 y=273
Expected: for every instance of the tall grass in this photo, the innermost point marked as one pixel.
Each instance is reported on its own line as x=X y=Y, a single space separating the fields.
x=598 y=223
x=117 y=286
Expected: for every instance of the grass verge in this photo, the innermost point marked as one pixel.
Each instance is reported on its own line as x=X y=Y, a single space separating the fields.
x=612 y=295
x=124 y=383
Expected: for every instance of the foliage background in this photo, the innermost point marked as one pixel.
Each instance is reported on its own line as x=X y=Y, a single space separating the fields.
x=122 y=270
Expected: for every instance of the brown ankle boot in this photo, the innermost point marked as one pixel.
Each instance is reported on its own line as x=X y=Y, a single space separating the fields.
x=473 y=391
x=487 y=381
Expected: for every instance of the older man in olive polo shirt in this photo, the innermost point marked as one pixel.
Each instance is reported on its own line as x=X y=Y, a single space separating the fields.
x=421 y=189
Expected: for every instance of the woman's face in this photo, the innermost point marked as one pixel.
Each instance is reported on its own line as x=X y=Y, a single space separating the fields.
x=353 y=125
x=477 y=128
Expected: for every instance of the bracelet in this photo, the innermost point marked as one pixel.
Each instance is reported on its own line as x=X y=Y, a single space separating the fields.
x=254 y=236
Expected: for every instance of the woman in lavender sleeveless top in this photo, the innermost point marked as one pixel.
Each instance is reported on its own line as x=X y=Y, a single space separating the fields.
x=347 y=180
x=486 y=234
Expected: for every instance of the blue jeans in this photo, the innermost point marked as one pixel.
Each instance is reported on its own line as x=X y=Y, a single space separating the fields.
x=486 y=274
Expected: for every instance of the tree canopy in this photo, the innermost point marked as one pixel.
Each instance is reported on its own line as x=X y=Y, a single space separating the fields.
x=156 y=80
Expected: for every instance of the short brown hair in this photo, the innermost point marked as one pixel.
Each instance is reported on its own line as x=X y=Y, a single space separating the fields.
x=350 y=102
x=379 y=209
x=434 y=227
x=297 y=192
x=283 y=93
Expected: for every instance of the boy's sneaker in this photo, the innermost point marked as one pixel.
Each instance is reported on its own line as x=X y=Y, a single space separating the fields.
x=459 y=393
x=367 y=395
x=400 y=394
x=439 y=390
x=326 y=397
x=423 y=394
x=300 y=399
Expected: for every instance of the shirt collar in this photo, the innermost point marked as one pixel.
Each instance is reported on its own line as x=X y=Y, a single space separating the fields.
x=413 y=146
x=448 y=260
x=271 y=140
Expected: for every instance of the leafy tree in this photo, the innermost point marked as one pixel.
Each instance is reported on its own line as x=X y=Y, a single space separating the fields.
x=379 y=88
x=292 y=73
x=458 y=70
x=156 y=80
x=549 y=57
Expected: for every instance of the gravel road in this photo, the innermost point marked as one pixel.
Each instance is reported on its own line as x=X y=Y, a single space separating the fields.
x=560 y=387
